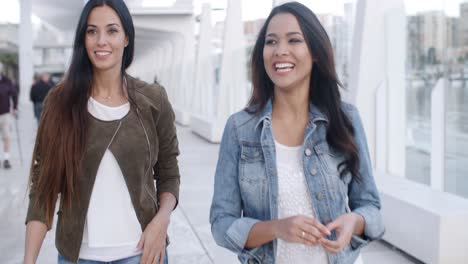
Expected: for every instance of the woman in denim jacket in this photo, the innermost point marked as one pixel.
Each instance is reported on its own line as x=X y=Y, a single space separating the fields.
x=294 y=179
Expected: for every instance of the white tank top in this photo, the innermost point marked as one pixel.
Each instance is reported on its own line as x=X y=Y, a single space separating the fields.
x=112 y=230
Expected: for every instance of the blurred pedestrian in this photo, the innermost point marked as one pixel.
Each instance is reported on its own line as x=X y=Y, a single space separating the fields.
x=8 y=92
x=38 y=93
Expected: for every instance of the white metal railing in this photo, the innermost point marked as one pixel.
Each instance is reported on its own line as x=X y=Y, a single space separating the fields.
x=438 y=135
x=381 y=123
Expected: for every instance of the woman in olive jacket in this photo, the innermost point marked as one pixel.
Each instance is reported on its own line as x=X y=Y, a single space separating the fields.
x=103 y=140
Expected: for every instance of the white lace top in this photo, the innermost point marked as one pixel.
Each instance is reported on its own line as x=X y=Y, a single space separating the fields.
x=294 y=199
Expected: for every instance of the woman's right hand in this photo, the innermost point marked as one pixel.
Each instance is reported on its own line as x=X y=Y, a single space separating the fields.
x=301 y=229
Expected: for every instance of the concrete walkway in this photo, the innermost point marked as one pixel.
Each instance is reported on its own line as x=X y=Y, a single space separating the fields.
x=191 y=240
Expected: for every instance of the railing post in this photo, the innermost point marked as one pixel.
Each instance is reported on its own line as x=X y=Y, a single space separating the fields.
x=381 y=127
x=438 y=135
x=25 y=50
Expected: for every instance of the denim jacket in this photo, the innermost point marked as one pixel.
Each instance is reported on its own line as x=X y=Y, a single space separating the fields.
x=246 y=184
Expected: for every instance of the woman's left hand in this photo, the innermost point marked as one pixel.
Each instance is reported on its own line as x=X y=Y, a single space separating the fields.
x=153 y=240
x=345 y=225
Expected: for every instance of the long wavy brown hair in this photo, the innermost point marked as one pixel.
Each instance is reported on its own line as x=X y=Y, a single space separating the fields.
x=63 y=129
x=324 y=84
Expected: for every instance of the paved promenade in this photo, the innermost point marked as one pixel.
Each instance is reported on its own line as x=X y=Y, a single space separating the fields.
x=191 y=240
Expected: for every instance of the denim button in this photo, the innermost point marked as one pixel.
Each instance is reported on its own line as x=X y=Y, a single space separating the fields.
x=313 y=171
x=308 y=152
x=252 y=261
x=320 y=196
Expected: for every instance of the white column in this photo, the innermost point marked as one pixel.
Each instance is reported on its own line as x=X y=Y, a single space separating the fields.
x=395 y=39
x=158 y=63
x=373 y=62
x=168 y=61
x=204 y=79
x=166 y=79
x=148 y=69
x=188 y=65
x=233 y=90
x=438 y=135
x=367 y=53
x=184 y=3
x=233 y=80
x=182 y=77
x=26 y=67
x=176 y=69
x=381 y=122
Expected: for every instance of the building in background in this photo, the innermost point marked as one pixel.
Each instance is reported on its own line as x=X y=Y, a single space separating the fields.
x=49 y=54
x=463 y=24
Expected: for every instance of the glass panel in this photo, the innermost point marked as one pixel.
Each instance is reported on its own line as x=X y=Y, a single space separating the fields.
x=437 y=46
x=456 y=152
x=337 y=17
x=426 y=25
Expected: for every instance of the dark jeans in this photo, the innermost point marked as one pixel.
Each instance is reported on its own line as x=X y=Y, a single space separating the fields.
x=38 y=110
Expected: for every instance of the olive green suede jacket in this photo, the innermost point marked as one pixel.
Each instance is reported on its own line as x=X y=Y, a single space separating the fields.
x=132 y=152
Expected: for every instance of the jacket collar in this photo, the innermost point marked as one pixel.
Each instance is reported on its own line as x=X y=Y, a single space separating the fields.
x=133 y=83
x=315 y=114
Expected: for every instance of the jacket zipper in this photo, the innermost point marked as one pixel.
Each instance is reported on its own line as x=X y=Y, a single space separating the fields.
x=152 y=198
x=108 y=146
x=149 y=161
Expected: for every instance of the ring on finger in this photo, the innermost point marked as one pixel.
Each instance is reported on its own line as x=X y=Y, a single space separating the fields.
x=303 y=234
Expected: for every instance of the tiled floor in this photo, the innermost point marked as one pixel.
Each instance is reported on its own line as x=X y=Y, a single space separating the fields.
x=191 y=240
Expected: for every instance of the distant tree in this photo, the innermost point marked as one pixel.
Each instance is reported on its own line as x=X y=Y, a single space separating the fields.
x=461 y=59
x=10 y=61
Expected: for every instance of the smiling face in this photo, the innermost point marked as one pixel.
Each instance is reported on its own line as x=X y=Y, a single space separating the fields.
x=286 y=56
x=105 y=39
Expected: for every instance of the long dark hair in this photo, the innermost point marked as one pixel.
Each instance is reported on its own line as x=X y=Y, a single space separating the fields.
x=324 y=84
x=63 y=129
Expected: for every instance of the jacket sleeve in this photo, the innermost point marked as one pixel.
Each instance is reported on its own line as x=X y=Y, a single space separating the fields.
x=229 y=228
x=35 y=212
x=363 y=195
x=166 y=170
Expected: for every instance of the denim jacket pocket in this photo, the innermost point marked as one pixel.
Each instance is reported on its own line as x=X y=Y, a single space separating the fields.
x=251 y=153
x=252 y=164
x=329 y=161
x=253 y=180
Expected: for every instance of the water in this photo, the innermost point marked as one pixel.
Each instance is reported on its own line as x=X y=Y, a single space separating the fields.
x=418 y=163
